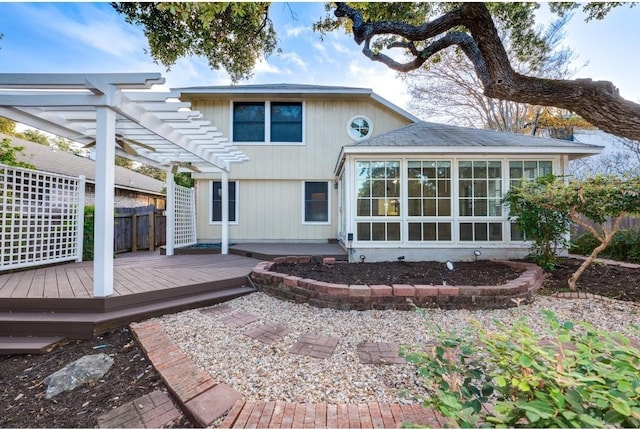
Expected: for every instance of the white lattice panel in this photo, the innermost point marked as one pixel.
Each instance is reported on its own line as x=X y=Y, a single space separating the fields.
x=185 y=219
x=38 y=217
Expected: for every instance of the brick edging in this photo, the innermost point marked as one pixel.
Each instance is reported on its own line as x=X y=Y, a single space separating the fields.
x=198 y=395
x=397 y=296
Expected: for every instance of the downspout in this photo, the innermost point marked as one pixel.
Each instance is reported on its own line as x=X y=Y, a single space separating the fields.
x=224 y=233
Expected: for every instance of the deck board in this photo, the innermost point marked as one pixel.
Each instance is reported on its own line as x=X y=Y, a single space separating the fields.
x=138 y=272
x=64 y=286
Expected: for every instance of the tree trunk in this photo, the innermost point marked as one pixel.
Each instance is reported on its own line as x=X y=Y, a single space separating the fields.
x=575 y=276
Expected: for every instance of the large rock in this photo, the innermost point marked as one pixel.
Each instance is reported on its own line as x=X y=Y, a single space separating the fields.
x=87 y=368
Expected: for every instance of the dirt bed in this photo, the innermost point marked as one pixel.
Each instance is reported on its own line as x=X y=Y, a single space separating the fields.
x=22 y=391
x=480 y=273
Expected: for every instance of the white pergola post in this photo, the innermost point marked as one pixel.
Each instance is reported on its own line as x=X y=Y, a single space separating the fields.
x=103 y=229
x=224 y=233
x=170 y=212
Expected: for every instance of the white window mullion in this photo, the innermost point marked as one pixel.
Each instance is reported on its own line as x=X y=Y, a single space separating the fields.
x=267 y=122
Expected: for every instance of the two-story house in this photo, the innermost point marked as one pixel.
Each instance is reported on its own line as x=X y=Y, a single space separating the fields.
x=336 y=163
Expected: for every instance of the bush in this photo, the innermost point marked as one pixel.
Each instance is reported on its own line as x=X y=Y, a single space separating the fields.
x=87 y=242
x=579 y=377
x=625 y=246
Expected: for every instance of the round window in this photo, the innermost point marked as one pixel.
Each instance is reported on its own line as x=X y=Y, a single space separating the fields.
x=359 y=127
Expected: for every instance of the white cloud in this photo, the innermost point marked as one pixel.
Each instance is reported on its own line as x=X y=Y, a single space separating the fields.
x=384 y=81
x=293 y=58
x=296 y=31
x=98 y=28
x=263 y=67
x=322 y=55
x=339 y=47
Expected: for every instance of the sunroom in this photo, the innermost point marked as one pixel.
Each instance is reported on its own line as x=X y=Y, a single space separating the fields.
x=434 y=192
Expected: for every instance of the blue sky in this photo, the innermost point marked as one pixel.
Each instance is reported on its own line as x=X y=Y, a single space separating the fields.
x=91 y=37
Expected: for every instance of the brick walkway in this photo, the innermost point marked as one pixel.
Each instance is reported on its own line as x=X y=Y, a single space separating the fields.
x=280 y=414
x=150 y=411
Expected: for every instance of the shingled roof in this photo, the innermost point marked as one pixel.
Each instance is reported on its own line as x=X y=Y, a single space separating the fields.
x=429 y=134
x=44 y=158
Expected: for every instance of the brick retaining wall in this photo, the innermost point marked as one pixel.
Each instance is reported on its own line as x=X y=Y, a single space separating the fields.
x=397 y=296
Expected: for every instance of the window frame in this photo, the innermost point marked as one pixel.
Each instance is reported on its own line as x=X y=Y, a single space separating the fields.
x=267 y=122
x=304 y=203
x=236 y=201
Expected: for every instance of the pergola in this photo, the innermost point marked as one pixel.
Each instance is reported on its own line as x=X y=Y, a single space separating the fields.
x=120 y=114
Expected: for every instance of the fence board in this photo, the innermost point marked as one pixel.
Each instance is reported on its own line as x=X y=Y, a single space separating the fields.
x=148 y=224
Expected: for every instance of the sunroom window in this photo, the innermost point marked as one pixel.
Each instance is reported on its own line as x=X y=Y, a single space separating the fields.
x=527 y=170
x=378 y=196
x=429 y=196
x=480 y=191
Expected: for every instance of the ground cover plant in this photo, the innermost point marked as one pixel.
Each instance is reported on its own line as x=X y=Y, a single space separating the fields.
x=577 y=377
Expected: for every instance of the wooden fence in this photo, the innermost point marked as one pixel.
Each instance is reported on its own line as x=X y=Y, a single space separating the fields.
x=139 y=228
x=629 y=222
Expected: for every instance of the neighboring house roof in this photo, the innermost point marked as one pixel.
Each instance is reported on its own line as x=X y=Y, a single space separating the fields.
x=46 y=159
x=433 y=137
x=291 y=90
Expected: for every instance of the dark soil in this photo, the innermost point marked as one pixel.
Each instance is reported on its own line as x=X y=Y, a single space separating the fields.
x=600 y=279
x=478 y=273
x=22 y=391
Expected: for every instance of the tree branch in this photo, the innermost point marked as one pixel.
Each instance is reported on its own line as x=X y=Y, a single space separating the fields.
x=597 y=102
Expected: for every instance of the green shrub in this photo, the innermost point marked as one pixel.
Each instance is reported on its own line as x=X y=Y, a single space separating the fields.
x=624 y=246
x=87 y=243
x=578 y=377
x=583 y=244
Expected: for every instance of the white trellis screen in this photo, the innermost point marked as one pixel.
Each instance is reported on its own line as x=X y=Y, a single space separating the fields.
x=185 y=216
x=41 y=216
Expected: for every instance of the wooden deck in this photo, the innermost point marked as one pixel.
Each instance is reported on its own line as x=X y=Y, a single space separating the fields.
x=133 y=274
x=58 y=301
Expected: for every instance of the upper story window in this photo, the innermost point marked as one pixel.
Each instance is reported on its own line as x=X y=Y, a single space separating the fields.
x=267 y=122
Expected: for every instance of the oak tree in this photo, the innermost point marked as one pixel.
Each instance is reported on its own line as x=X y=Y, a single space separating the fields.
x=422 y=31
x=234 y=36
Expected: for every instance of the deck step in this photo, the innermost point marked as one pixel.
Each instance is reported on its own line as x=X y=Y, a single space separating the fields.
x=88 y=324
x=27 y=345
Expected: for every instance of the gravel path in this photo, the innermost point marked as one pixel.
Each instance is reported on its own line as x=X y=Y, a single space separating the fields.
x=269 y=372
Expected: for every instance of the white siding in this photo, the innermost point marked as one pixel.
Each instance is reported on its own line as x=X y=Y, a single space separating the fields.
x=270 y=197
x=268 y=210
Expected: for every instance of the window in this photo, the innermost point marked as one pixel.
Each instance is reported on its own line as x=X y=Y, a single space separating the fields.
x=286 y=122
x=216 y=201
x=316 y=202
x=378 y=195
x=359 y=127
x=480 y=190
x=248 y=122
x=267 y=122
x=529 y=170
x=378 y=188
